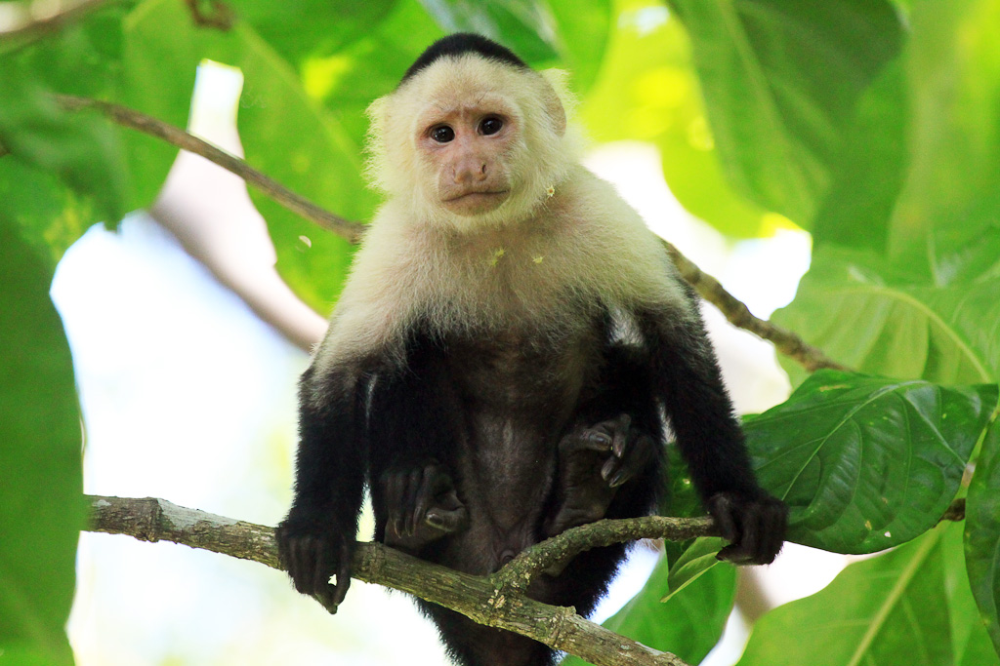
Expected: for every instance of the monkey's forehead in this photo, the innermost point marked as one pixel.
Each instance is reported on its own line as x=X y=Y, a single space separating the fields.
x=458 y=79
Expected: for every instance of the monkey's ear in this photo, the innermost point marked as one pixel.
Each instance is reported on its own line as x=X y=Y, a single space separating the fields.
x=557 y=98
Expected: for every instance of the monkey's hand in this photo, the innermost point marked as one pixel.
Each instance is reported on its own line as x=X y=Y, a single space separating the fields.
x=311 y=553
x=593 y=462
x=754 y=525
x=422 y=506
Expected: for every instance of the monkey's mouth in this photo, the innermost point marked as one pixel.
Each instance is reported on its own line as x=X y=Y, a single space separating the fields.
x=476 y=203
x=472 y=197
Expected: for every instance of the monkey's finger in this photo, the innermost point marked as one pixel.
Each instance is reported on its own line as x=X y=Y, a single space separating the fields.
x=591 y=439
x=300 y=564
x=774 y=519
x=636 y=458
x=721 y=508
x=343 y=573
x=621 y=434
x=414 y=482
x=324 y=561
x=392 y=484
x=430 y=481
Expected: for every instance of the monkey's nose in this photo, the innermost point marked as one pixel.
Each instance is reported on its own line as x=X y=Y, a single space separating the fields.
x=470 y=171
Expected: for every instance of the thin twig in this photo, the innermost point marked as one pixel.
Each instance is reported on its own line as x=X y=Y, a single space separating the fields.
x=486 y=600
x=157 y=128
x=40 y=28
x=556 y=552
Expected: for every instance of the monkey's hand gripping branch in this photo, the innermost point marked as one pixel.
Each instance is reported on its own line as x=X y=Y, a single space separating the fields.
x=496 y=601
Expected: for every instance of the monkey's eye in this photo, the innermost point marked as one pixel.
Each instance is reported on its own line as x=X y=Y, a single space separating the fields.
x=442 y=134
x=490 y=125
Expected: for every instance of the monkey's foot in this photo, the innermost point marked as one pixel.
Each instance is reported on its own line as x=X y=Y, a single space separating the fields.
x=422 y=506
x=593 y=462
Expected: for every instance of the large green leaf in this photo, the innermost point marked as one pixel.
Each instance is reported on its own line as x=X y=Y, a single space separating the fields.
x=67 y=168
x=952 y=193
x=870 y=168
x=982 y=534
x=969 y=636
x=689 y=624
x=781 y=79
x=285 y=134
x=41 y=502
x=524 y=26
x=648 y=91
x=852 y=307
x=298 y=29
x=866 y=463
x=886 y=611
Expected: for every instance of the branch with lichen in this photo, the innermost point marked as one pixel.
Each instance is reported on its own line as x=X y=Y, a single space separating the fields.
x=739 y=315
x=785 y=341
x=497 y=601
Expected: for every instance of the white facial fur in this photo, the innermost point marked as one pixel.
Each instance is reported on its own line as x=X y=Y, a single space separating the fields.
x=531 y=157
x=534 y=263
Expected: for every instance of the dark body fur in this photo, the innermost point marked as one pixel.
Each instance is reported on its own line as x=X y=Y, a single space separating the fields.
x=500 y=411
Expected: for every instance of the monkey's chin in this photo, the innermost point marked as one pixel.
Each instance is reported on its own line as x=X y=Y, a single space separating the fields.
x=476 y=203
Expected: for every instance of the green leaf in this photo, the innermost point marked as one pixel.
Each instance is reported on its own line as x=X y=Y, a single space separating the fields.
x=952 y=192
x=866 y=463
x=982 y=535
x=285 y=133
x=299 y=29
x=858 y=312
x=689 y=625
x=870 y=168
x=648 y=91
x=781 y=79
x=970 y=640
x=885 y=611
x=693 y=563
x=41 y=503
x=524 y=26
x=81 y=149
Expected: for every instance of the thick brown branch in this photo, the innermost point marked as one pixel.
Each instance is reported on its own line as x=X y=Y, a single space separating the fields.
x=708 y=287
x=785 y=341
x=149 y=125
x=487 y=600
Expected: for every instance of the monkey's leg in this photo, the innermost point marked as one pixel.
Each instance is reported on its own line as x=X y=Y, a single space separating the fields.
x=421 y=505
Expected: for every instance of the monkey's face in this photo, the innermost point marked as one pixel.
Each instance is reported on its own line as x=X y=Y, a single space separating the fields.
x=467 y=148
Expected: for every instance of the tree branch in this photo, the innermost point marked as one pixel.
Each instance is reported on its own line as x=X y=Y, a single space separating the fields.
x=708 y=287
x=785 y=341
x=490 y=600
x=148 y=125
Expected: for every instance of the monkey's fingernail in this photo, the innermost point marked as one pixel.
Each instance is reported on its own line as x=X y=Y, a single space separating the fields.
x=599 y=438
x=434 y=520
x=618 y=479
x=608 y=468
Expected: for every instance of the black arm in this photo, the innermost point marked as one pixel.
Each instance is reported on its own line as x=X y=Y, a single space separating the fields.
x=317 y=538
x=686 y=377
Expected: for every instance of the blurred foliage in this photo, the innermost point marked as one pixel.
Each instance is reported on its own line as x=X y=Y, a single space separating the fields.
x=873 y=124
x=41 y=506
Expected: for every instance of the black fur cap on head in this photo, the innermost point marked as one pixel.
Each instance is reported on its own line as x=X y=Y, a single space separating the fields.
x=459 y=43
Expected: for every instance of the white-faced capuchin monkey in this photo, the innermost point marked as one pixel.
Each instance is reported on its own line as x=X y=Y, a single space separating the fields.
x=501 y=359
